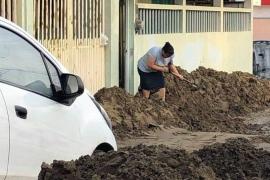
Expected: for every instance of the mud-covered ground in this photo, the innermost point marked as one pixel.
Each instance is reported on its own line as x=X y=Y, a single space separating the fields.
x=236 y=159
x=216 y=131
x=217 y=105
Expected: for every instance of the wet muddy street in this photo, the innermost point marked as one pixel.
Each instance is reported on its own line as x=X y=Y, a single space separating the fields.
x=219 y=131
x=180 y=138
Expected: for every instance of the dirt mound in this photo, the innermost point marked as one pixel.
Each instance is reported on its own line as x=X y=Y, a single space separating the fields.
x=132 y=115
x=236 y=159
x=220 y=99
x=261 y=139
x=215 y=106
x=236 y=92
x=140 y=162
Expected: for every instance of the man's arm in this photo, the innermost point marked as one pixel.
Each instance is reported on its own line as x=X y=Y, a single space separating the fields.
x=174 y=71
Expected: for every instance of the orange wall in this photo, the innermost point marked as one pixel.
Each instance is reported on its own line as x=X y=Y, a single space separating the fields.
x=261 y=29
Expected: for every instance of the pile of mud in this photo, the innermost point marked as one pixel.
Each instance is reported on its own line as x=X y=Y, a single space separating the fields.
x=215 y=106
x=220 y=99
x=140 y=162
x=132 y=115
x=236 y=159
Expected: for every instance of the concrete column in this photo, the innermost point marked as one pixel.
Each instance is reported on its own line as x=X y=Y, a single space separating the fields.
x=184 y=2
x=112 y=49
x=25 y=15
x=222 y=15
x=184 y=18
x=130 y=65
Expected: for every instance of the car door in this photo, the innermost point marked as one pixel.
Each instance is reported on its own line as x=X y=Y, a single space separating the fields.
x=41 y=128
x=4 y=137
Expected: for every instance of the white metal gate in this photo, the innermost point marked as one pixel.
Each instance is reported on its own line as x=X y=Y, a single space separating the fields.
x=8 y=9
x=72 y=31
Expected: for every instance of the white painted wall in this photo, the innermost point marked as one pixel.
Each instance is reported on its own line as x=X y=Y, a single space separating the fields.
x=221 y=51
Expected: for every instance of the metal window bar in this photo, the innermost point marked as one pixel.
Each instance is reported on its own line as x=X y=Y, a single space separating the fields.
x=237 y=21
x=168 y=21
x=149 y=22
x=173 y=21
x=95 y=17
x=164 y=21
x=178 y=26
x=88 y=14
x=50 y=19
x=202 y=21
x=198 y=20
x=146 y=22
x=140 y=15
x=159 y=21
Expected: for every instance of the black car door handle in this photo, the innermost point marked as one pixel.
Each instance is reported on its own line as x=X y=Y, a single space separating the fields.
x=21 y=112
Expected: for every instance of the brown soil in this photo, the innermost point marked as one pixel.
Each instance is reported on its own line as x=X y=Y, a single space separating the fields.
x=140 y=162
x=190 y=141
x=261 y=139
x=174 y=139
x=215 y=106
x=133 y=115
x=235 y=159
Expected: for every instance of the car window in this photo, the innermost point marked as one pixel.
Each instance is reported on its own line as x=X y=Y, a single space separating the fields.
x=21 y=64
x=54 y=74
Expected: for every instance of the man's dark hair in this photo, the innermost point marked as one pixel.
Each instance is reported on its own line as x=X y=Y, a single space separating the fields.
x=168 y=49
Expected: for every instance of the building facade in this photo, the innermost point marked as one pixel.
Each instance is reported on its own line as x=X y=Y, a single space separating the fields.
x=215 y=34
x=102 y=40
x=73 y=30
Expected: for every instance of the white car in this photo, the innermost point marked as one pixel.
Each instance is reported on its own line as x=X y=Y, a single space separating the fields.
x=45 y=112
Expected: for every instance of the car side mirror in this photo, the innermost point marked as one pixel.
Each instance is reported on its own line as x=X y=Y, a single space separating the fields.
x=72 y=87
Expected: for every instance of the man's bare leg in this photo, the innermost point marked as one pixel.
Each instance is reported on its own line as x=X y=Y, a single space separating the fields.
x=162 y=92
x=146 y=93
